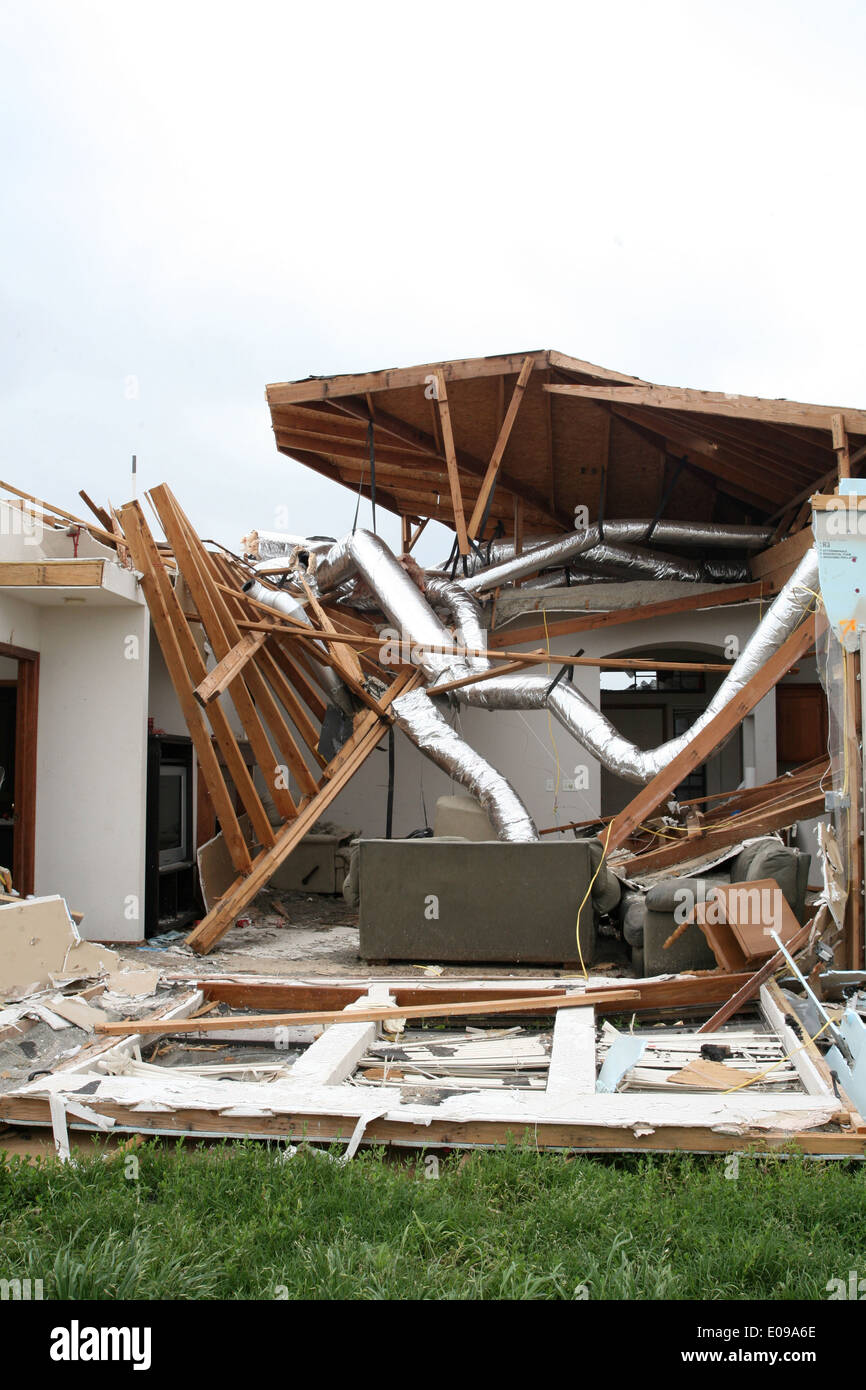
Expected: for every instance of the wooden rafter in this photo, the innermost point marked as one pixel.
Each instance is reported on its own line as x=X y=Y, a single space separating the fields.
x=779 y=412
x=451 y=461
x=499 y=448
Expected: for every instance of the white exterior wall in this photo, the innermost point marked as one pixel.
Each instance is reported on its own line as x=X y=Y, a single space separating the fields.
x=91 y=729
x=91 y=766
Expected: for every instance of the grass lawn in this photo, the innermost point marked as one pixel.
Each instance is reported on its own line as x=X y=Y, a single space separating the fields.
x=239 y=1221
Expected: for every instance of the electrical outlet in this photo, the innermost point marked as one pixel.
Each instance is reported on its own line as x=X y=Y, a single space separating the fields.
x=549 y=784
x=568 y=784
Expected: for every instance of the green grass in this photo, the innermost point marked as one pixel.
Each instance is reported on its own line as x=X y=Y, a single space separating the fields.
x=234 y=1221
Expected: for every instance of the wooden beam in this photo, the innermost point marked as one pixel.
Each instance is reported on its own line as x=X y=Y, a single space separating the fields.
x=99 y=512
x=253 y=703
x=186 y=667
x=778 y=412
x=840 y=444
x=451 y=461
x=702 y=747
x=707 y=455
x=540 y=1003
x=216 y=681
x=759 y=821
x=66 y=574
x=97 y=531
x=499 y=447
x=748 y=991
x=775 y=565
x=369 y=729
x=432 y=445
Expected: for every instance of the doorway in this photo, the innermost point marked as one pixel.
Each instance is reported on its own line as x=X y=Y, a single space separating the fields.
x=19 y=696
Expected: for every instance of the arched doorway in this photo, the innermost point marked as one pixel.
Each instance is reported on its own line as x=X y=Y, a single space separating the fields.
x=649 y=707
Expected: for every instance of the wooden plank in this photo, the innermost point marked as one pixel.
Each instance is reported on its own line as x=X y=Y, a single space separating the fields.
x=431 y=444
x=333 y=1057
x=728 y=469
x=216 y=681
x=254 y=702
x=541 y=1003
x=191 y=672
x=52 y=573
x=688 y=603
x=810 y=1066
x=174 y=636
x=349 y=662
x=274 y=674
x=738 y=828
x=369 y=730
x=298 y=670
x=840 y=444
x=752 y=983
x=572 y=1071
x=451 y=462
x=96 y=531
x=779 y=412
x=99 y=512
x=776 y=565
x=702 y=747
x=500 y=446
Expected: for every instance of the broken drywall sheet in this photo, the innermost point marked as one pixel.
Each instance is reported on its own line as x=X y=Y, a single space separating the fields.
x=40 y=945
x=135 y=983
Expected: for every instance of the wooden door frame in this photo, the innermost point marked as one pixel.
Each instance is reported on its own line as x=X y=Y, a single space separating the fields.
x=26 y=722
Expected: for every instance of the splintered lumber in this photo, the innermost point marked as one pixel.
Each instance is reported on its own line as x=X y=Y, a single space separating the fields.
x=748 y=990
x=369 y=729
x=49 y=510
x=744 y=816
x=543 y=1003
x=711 y=1076
x=697 y=752
x=186 y=667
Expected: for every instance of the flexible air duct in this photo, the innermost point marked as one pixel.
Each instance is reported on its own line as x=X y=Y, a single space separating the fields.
x=558 y=552
x=419 y=718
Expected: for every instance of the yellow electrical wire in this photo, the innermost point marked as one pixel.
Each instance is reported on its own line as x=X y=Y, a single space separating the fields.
x=586 y=895
x=760 y=1076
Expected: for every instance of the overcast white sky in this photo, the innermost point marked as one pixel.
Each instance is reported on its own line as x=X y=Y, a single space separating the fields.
x=210 y=197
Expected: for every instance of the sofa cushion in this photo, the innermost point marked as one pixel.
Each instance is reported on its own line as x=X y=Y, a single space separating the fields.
x=778 y=862
x=741 y=868
x=668 y=896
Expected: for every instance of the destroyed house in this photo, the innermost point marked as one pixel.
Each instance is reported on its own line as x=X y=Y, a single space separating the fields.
x=619 y=721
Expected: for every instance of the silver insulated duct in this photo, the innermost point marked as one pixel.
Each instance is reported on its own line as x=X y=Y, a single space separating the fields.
x=559 y=552
x=595 y=732
x=412 y=615
x=419 y=718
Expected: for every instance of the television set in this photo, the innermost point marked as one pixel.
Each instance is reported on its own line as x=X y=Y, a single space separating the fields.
x=172 y=833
